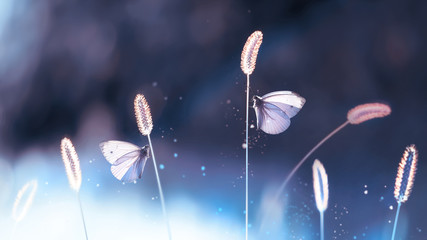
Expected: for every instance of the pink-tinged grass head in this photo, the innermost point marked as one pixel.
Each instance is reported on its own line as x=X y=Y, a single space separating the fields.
x=320 y=185
x=71 y=163
x=250 y=52
x=20 y=209
x=406 y=174
x=143 y=115
x=357 y=115
x=368 y=111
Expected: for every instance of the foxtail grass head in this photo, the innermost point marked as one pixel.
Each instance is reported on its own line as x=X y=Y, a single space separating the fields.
x=368 y=111
x=71 y=163
x=250 y=52
x=20 y=209
x=406 y=174
x=143 y=115
x=320 y=185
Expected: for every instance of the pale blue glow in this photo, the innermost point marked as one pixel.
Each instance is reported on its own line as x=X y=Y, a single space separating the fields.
x=5 y=13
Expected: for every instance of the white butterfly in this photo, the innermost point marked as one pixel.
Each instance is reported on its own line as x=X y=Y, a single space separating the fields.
x=128 y=160
x=274 y=110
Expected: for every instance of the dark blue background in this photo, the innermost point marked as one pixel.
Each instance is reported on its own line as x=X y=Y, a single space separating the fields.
x=73 y=68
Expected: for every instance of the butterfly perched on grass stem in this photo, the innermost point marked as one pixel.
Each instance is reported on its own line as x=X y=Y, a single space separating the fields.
x=128 y=160
x=274 y=110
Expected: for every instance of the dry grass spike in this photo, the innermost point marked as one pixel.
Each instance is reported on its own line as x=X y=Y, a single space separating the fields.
x=71 y=163
x=404 y=180
x=406 y=174
x=356 y=115
x=248 y=61
x=368 y=111
x=18 y=215
x=250 y=52
x=321 y=192
x=320 y=185
x=143 y=115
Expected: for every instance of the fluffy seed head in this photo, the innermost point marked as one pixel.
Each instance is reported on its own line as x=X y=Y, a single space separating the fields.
x=250 y=52
x=71 y=163
x=143 y=115
x=365 y=112
x=19 y=210
x=320 y=185
x=406 y=174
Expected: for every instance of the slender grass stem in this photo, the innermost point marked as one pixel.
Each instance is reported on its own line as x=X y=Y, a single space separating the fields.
x=12 y=235
x=81 y=212
x=322 y=226
x=291 y=174
x=395 y=220
x=282 y=187
x=247 y=161
x=162 y=199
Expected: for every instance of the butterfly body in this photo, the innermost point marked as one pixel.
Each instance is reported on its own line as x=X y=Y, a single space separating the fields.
x=127 y=160
x=274 y=110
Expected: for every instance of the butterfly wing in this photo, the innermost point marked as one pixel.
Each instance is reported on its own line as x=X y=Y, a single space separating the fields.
x=137 y=168
x=125 y=157
x=127 y=164
x=289 y=102
x=271 y=119
x=115 y=150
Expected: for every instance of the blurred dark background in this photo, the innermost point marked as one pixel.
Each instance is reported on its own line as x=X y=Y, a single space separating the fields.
x=60 y=58
x=73 y=68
